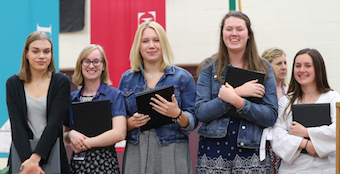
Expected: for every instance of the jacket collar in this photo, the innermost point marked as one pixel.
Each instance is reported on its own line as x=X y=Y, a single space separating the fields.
x=102 y=91
x=167 y=71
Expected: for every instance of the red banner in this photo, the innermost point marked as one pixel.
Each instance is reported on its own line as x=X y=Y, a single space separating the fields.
x=113 y=26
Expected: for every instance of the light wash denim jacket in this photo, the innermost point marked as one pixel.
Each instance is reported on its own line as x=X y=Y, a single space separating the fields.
x=211 y=110
x=132 y=83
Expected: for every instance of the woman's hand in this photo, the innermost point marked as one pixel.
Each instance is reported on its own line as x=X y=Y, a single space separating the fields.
x=310 y=149
x=77 y=141
x=33 y=169
x=298 y=130
x=34 y=159
x=165 y=107
x=137 y=120
x=251 y=89
x=78 y=149
x=228 y=94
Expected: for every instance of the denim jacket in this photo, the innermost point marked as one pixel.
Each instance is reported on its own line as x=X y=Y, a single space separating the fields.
x=105 y=93
x=132 y=83
x=211 y=110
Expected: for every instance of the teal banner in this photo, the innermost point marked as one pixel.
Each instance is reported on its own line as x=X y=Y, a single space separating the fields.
x=19 y=18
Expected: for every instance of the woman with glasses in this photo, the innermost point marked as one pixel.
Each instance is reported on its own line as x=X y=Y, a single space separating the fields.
x=37 y=101
x=92 y=74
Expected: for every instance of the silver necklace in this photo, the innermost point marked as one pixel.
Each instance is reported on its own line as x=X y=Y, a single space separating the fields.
x=151 y=74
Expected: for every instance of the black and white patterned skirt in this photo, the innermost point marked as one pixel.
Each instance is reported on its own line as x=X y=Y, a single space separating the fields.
x=97 y=161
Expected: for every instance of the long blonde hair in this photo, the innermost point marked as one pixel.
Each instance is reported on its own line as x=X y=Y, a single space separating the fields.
x=136 y=59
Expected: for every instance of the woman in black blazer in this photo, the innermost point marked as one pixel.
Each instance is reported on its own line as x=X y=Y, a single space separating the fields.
x=37 y=101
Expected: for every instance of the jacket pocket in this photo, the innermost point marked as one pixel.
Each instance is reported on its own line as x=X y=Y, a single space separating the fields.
x=130 y=99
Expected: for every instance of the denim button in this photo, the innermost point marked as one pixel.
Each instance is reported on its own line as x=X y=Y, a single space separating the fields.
x=215 y=76
x=242 y=144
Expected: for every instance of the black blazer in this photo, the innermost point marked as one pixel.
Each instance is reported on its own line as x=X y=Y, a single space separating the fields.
x=58 y=98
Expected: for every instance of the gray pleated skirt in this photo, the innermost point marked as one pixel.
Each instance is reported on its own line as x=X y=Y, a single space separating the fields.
x=148 y=156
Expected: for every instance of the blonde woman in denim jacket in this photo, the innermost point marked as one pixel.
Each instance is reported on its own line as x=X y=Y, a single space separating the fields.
x=229 y=144
x=164 y=149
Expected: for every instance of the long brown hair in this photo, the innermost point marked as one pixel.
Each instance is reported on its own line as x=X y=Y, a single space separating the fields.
x=322 y=86
x=251 y=55
x=25 y=71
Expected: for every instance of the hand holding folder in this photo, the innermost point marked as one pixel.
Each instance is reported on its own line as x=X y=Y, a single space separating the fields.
x=312 y=115
x=143 y=106
x=237 y=77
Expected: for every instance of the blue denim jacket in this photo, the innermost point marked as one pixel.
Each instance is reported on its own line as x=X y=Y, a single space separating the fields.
x=132 y=83
x=105 y=93
x=211 y=110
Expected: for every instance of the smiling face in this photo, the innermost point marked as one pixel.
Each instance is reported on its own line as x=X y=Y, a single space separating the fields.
x=304 y=71
x=39 y=55
x=235 y=34
x=150 y=46
x=92 y=72
x=279 y=65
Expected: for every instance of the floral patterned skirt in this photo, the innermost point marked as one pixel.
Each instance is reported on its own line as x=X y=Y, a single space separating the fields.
x=222 y=155
x=97 y=161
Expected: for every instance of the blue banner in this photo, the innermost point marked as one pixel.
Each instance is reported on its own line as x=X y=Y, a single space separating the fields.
x=19 y=18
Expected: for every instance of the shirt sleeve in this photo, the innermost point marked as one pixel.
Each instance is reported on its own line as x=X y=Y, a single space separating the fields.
x=118 y=104
x=285 y=145
x=324 y=137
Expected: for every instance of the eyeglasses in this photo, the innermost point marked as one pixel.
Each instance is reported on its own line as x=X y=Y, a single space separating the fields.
x=95 y=62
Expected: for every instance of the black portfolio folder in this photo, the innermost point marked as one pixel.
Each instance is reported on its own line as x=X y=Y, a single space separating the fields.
x=93 y=117
x=144 y=98
x=237 y=77
x=51 y=166
x=312 y=115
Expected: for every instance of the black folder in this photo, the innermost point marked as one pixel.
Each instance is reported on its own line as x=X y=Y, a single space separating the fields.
x=92 y=118
x=237 y=77
x=144 y=98
x=312 y=115
x=51 y=166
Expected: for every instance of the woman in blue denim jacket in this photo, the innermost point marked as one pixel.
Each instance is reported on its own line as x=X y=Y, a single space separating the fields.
x=230 y=144
x=95 y=154
x=164 y=149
